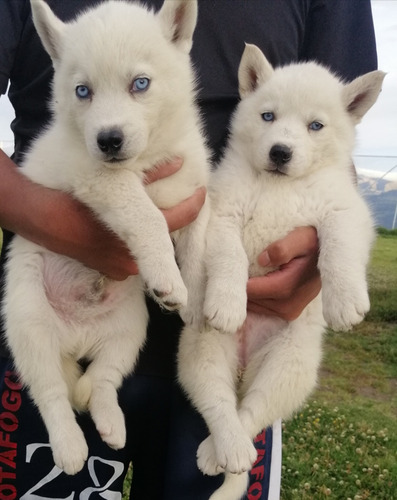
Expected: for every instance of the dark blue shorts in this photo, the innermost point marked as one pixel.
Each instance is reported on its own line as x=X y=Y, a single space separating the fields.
x=163 y=434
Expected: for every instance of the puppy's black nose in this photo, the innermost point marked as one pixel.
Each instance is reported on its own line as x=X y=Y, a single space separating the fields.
x=280 y=154
x=110 y=141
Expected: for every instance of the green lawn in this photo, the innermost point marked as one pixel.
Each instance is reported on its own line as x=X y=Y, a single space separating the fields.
x=343 y=444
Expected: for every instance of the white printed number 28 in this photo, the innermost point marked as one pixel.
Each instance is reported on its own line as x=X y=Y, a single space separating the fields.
x=103 y=491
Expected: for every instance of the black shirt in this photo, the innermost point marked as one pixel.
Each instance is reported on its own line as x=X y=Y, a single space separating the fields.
x=337 y=33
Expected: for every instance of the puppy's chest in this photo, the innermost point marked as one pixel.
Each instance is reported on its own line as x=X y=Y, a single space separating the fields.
x=271 y=214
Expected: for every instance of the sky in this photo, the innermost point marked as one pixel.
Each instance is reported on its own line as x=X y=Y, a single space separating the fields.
x=376 y=149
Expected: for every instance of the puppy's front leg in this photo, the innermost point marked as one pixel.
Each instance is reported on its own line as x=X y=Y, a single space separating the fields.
x=190 y=253
x=128 y=211
x=345 y=238
x=225 y=305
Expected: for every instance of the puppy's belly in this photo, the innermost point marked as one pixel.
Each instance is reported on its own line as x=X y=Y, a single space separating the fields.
x=77 y=293
x=255 y=332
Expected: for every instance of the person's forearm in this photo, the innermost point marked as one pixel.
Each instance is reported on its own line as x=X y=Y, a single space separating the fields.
x=13 y=184
x=60 y=223
x=32 y=210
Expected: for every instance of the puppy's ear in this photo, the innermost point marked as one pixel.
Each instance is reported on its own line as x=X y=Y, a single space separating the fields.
x=49 y=28
x=178 y=18
x=362 y=93
x=254 y=70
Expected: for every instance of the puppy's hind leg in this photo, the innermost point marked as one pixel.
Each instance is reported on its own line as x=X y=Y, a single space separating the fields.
x=207 y=371
x=280 y=376
x=67 y=441
x=50 y=393
x=114 y=361
x=72 y=372
x=33 y=331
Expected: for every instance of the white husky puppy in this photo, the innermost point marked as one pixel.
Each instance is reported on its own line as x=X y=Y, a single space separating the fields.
x=288 y=164
x=123 y=100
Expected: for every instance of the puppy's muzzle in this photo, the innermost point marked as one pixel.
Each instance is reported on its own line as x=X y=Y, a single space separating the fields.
x=280 y=155
x=110 y=143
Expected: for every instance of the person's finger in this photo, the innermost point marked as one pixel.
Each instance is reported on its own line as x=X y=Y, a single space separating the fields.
x=162 y=170
x=185 y=212
x=278 y=284
x=299 y=242
x=286 y=291
x=288 y=309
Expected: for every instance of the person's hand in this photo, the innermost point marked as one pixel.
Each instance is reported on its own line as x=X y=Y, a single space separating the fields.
x=187 y=210
x=288 y=290
x=60 y=223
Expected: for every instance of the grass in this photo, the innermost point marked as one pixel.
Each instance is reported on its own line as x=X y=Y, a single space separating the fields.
x=339 y=452
x=343 y=444
x=383 y=279
x=127 y=485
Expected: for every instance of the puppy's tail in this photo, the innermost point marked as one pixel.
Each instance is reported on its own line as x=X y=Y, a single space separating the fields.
x=234 y=487
x=82 y=393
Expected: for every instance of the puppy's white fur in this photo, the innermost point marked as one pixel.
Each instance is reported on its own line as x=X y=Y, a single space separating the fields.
x=288 y=164
x=57 y=311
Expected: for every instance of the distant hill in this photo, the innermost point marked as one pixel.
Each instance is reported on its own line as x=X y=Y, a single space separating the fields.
x=381 y=195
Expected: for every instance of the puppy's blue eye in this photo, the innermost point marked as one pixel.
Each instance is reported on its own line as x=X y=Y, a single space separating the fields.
x=140 y=84
x=268 y=116
x=315 y=126
x=83 y=92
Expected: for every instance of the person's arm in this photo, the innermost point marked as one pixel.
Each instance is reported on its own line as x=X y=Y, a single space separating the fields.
x=60 y=223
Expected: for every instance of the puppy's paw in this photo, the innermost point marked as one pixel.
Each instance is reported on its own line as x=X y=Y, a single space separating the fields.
x=206 y=458
x=69 y=449
x=110 y=424
x=344 y=310
x=226 y=312
x=192 y=317
x=237 y=454
x=168 y=290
